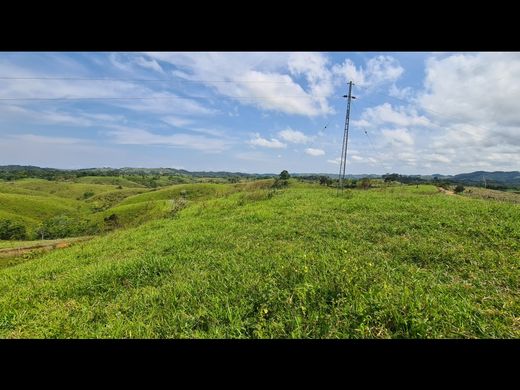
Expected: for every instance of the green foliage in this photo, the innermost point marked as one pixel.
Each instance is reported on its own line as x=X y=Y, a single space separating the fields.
x=459 y=189
x=88 y=194
x=395 y=262
x=62 y=226
x=280 y=183
x=325 y=181
x=364 y=184
x=111 y=222
x=284 y=175
x=12 y=230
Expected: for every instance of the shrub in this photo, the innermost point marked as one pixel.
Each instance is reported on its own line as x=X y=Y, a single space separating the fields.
x=280 y=183
x=59 y=227
x=325 y=181
x=10 y=230
x=364 y=184
x=87 y=194
x=459 y=189
x=284 y=175
x=111 y=222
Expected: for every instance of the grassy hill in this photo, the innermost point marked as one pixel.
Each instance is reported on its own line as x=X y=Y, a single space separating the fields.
x=294 y=263
x=109 y=180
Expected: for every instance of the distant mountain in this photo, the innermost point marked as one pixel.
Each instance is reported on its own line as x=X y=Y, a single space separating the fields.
x=498 y=177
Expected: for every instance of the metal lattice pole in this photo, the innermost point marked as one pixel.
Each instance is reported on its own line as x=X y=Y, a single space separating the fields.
x=343 y=161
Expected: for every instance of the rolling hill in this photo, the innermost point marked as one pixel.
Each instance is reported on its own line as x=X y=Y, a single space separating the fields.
x=302 y=262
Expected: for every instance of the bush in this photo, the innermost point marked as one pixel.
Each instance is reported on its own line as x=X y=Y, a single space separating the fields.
x=10 y=230
x=459 y=189
x=280 y=183
x=364 y=184
x=59 y=227
x=87 y=194
x=325 y=181
x=284 y=175
x=111 y=222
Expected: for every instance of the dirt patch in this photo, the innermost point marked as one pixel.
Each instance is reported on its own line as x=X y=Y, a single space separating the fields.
x=9 y=252
x=447 y=192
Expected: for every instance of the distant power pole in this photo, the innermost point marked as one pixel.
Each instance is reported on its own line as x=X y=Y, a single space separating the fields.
x=343 y=161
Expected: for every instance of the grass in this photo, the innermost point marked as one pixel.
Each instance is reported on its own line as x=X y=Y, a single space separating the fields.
x=109 y=180
x=483 y=193
x=37 y=207
x=61 y=189
x=295 y=263
x=188 y=191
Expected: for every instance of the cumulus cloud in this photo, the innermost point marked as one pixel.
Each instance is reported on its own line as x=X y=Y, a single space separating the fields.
x=314 y=152
x=385 y=114
x=263 y=142
x=294 y=136
x=377 y=70
x=398 y=136
x=259 y=79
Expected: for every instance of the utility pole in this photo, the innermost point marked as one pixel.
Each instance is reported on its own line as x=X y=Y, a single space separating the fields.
x=343 y=161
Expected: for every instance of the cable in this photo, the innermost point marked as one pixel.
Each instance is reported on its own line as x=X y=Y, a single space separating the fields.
x=156 y=97
x=129 y=79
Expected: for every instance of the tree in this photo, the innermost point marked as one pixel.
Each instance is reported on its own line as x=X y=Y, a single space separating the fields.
x=59 y=226
x=459 y=189
x=284 y=175
x=11 y=230
x=325 y=181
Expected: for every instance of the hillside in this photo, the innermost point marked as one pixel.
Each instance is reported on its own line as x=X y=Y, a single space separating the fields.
x=395 y=262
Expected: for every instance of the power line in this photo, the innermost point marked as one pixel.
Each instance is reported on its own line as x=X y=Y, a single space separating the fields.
x=370 y=141
x=144 y=80
x=156 y=97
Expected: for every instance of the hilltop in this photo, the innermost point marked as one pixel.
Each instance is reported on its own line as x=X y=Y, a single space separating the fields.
x=246 y=260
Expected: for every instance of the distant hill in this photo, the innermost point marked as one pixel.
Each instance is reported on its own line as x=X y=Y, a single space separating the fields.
x=497 y=178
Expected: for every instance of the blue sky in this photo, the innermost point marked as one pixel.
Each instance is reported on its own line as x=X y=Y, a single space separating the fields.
x=261 y=112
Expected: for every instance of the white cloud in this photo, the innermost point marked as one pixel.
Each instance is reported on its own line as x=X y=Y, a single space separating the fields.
x=386 y=114
x=258 y=79
x=176 y=121
x=149 y=64
x=272 y=143
x=398 y=136
x=378 y=70
x=38 y=139
x=335 y=161
x=294 y=136
x=314 y=152
x=133 y=136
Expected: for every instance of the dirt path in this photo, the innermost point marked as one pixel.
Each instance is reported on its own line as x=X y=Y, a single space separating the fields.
x=447 y=192
x=7 y=252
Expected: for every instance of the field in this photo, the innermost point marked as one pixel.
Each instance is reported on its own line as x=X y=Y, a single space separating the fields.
x=246 y=261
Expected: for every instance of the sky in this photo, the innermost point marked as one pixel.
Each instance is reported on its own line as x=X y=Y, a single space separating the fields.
x=261 y=112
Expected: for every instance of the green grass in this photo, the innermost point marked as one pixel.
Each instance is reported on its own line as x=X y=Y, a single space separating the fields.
x=37 y=207
x=188 y=191
x=109 y=180
x=483 y=193
x=296 y=263
x=62 y=189
x=109 y=199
